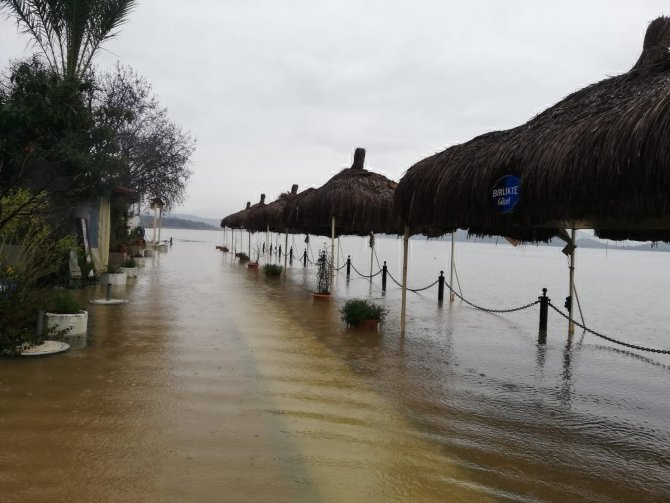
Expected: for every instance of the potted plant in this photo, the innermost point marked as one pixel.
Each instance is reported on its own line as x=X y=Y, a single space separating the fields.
x=129 y=266
x=257 y=256
x=272 y=270
x=362 y=313
x=113 y=276
x=65 y=315
x=322 y=276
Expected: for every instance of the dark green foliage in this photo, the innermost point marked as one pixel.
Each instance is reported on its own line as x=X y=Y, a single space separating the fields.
x=129 y=262
x=242 y=256
x=356 y=310
x=113 y=269
x=49 y=142
x=63 y=303
x=272 y=269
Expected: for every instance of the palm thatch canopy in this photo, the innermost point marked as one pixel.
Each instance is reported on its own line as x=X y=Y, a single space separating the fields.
x=234 y=220
x=600 y=159
x=271 y=216
x=252 y=217
x=360 y=201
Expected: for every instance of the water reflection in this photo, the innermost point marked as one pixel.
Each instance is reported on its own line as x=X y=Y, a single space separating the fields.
x=216 y=383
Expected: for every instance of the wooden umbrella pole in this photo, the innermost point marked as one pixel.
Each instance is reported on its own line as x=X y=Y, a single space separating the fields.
x=338 y=253
x=160 y=222
x=267 y=242
x=249 y=235
x=285 y=250
x=332 y=251
x=405 y=246
x=155 y=223
x=372 y=253
x=571 y=323
x=452 y=297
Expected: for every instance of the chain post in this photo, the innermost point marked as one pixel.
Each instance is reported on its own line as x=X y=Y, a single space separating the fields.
x=304 y=258
x=109 y=291
x=544 y=315
x=384 y=272
x=440 y=287
x=290 y=255
x=279 y=252
x=348 y=266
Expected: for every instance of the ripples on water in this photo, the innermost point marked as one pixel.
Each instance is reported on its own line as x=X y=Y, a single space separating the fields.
x=217 y=384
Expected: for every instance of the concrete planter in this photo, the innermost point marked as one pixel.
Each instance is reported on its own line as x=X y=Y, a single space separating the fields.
x=77 y=323
x=131 y=272
x=118 y=279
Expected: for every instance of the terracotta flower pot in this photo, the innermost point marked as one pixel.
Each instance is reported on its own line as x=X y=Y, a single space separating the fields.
x=322 y=296
x=252 y=265
x=368 y=324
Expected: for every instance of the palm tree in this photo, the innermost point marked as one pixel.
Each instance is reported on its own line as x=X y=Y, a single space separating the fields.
x=69 y=32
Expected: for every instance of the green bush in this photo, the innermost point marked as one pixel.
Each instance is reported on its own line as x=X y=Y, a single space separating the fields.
x=356 y=310
x=272 y=269
x=63 y=303
x=129 y=262
x=242 y=256
x=113 y=269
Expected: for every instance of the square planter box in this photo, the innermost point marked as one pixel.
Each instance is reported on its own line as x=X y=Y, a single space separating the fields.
x=114 y=279
x=131 y=272
x=77 y=323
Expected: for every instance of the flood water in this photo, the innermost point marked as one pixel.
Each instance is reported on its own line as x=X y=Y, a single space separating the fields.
x=215 y=383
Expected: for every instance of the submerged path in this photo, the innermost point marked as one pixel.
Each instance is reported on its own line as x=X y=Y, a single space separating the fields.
x=215 y=383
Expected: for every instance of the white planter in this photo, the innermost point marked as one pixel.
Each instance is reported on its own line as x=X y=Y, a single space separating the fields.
x=114 y=279
x=77 y=323
x=131 y=272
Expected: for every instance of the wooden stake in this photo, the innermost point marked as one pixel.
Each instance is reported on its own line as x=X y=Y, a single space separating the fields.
x=405 y=249
x=452 y=297
x=571 y=323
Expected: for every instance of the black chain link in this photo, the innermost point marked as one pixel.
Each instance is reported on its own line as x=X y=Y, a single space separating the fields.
x=602 y=336
x=415 y=290
x=364 y=275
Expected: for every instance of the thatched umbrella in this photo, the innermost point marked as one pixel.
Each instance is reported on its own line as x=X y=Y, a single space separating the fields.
x=235 y=220
x=600 y=159
x=270 y=217
x=353 y=202
x=251 y=216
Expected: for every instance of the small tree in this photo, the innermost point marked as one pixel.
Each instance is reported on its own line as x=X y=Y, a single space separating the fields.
x=323 y=273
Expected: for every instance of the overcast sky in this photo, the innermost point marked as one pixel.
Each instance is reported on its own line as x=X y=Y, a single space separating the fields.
x=281 y=91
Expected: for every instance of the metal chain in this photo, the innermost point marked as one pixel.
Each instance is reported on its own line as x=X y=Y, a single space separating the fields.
x=602 y=336
x=341 y=267
x=364 y=275
x=415 y=290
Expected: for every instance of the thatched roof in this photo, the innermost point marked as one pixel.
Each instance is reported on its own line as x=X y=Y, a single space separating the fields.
x=234 y=220
x=599 y=158
x=360 y=201
x=252 y=217
x=271 y=216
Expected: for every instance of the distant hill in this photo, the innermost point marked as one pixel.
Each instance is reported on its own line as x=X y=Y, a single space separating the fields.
x=172 y=222
x=216 y=222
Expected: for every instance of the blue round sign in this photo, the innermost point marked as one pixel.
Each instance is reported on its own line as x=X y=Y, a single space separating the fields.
x=506 y=193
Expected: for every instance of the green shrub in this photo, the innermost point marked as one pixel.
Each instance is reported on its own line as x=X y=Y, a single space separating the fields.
x=129 y=262
x=113 y=269
x=356 y=310
x=242 y=256
x=272 y=269
x=63 y=303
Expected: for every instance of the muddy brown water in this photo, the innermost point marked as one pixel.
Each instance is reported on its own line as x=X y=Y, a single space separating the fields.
x=215 y=383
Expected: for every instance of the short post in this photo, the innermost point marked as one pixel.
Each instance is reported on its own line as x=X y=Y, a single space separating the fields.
x=109 y=291
x=39 y=327
x=544 y=315
x=348 y=265
x=384 y=272
x=279 y=251
x=263 y=247
x=440 y=287
x=290 y=255
x=271 y=249
x=304 y=258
